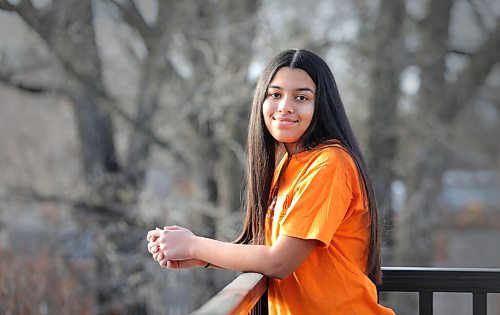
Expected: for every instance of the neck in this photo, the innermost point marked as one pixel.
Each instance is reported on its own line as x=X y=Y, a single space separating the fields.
x=293 y=148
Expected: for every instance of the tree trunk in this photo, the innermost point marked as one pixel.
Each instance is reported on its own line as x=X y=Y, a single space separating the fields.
x=235 y=59
x=77 y=52
x=425 y=158
x=383 y=120
x=155 y=69
x=95 y=132
x=426 y=168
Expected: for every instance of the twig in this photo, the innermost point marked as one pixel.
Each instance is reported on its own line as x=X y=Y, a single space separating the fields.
x=5 y=5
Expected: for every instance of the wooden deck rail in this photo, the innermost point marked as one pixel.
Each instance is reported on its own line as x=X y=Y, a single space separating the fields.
x=246 y=294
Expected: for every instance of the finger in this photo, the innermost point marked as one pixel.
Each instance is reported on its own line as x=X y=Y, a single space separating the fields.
x=155 y=256
x=161 y=256
x=151 y=247
x=153 y=233
x=172 y=227
x=150 y=235
x=163 y=262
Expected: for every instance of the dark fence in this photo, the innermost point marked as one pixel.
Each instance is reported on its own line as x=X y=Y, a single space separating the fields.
x=246 y=294
x=426 y=281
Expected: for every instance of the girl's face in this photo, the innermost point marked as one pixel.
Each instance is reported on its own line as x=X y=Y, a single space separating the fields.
x=289 y=107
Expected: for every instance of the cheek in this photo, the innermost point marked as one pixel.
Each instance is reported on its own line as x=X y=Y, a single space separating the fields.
x=307 y=113
x=266 y=109
x=267 y=112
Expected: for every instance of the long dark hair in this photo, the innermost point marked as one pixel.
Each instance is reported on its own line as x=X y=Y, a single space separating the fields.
x=329 y=122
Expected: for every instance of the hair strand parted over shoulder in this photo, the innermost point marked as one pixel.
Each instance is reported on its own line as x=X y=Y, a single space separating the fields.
x=329 y=122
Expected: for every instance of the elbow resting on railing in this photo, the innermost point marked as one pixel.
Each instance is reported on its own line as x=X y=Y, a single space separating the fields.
x=278 y=266
x=279 y=270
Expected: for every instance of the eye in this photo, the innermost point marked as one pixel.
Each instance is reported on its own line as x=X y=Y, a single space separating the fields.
x=274 y=95
x=301 y=98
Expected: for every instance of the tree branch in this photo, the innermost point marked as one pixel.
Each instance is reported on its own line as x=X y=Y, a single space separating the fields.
x=6 y=6
x=101 y=210
x=110 y=104
x=460 y=52
x=30 y=15
x=33 y=89
x=477 y=16
x=133 y=17
x=7 y=79
x=462 y=91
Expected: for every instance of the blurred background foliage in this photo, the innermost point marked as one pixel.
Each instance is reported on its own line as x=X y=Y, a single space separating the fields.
x=117 y=116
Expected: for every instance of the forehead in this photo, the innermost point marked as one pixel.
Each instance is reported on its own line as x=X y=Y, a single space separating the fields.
x=292 y=78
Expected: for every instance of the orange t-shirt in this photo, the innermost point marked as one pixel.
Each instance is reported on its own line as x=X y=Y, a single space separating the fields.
x=319 y=197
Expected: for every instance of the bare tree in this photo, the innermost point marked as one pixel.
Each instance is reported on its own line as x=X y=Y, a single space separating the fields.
x=217 y=43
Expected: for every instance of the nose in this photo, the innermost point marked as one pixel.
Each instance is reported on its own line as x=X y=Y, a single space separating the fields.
x=285 y=105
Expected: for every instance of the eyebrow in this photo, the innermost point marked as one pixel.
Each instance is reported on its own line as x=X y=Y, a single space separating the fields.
x=297 y=89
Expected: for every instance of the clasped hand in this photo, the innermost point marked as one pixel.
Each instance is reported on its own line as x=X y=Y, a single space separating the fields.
x=170 y=247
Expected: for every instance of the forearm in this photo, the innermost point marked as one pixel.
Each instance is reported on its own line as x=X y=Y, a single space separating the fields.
x=277 y=261
x=190 y=263
x=238 y=257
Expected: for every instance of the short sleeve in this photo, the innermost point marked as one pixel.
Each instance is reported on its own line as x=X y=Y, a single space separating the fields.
x=320 y=201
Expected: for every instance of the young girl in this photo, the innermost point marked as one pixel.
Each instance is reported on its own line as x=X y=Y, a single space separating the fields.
x=311 y=222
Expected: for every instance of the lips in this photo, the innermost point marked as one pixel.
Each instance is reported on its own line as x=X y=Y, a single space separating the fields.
x=285 y=119
x=284 y=122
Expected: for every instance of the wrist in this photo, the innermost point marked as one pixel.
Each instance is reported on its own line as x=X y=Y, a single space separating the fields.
x=193 y=248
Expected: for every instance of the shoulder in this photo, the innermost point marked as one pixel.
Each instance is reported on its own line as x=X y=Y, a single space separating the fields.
x=333 y=155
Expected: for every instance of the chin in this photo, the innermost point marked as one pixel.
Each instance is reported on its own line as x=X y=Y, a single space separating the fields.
x=283 y=138
x=286 y=141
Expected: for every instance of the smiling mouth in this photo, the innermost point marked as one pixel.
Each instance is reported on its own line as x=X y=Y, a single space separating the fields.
x=285 y=120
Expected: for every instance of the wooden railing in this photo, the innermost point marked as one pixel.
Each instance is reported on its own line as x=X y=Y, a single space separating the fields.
x=245 y=295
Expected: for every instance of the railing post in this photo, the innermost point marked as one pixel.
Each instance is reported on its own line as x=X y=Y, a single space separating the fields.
x=261 y=307
x=479 y=303
x=425 y=302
